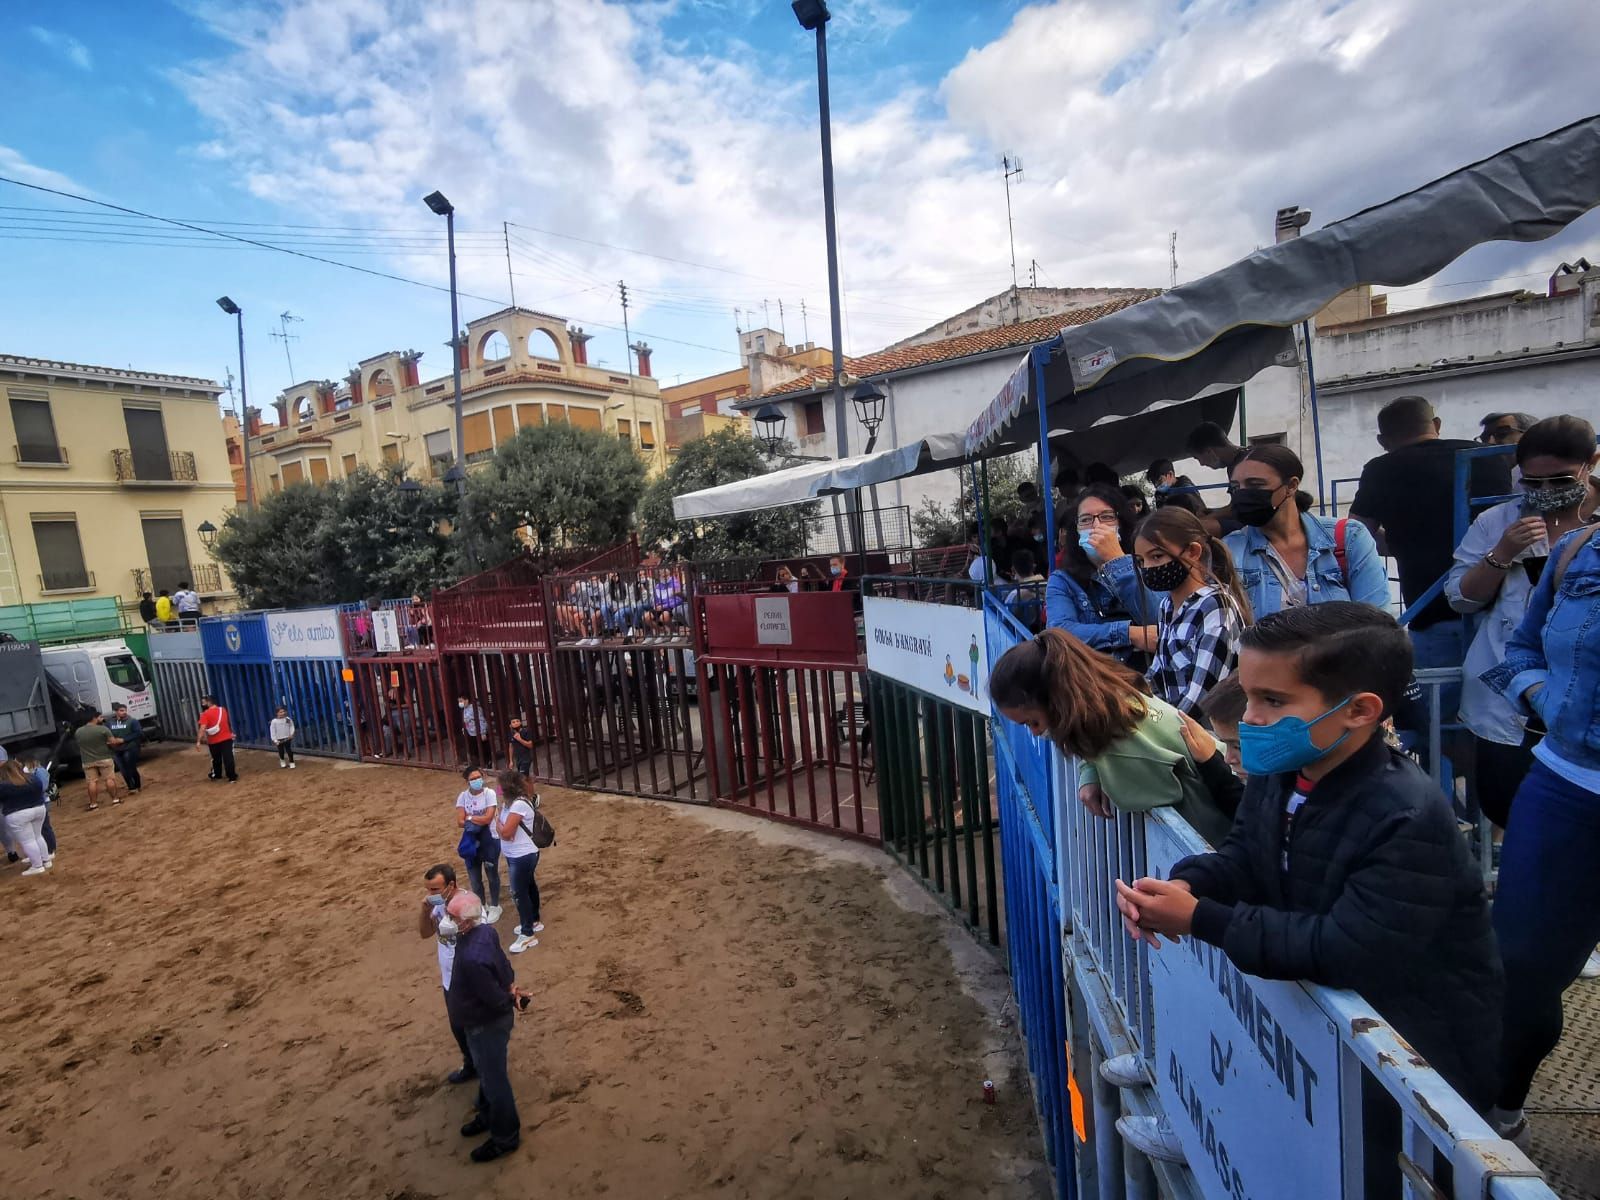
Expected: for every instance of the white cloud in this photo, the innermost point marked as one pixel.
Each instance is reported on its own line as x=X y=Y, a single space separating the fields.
x=69 y=47
x=1135 y=118
x=15 y=166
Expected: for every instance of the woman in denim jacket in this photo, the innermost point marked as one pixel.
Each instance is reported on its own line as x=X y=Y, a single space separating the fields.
x=1096 y=594
x=1545 y=918
x=1286 y=556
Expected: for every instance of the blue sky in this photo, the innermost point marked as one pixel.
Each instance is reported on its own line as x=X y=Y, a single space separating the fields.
x=686 y=129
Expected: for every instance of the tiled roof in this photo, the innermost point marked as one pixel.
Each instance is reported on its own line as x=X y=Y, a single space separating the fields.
x=49 y=365
x=984 y=341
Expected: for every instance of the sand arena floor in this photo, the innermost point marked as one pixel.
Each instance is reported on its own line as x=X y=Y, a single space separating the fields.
x=219 y=991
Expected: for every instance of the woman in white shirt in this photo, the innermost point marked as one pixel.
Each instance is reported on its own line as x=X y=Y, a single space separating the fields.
x=522 y=857
x=1496 y=566
x=479 y=846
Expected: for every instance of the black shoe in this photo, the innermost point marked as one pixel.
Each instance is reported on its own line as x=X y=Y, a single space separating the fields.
x=461 y=1075
x=489 y=1151
x=475 y=1126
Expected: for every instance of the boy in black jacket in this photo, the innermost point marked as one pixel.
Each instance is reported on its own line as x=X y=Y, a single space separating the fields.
x=1344 y=866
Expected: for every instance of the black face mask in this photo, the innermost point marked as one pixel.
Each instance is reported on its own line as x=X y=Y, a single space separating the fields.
x=1254 y=506
x=1166 y=576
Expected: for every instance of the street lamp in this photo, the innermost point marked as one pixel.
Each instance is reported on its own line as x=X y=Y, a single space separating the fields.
x=443 y=208
x=770 y=422
x=208 y=534
x=868 y=399
x=233 y=310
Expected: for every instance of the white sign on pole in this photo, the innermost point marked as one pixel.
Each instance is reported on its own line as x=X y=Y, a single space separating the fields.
x=385 y=631
x=1247 y=1068
x=935 y=648
x=772 y=621
x=313 y=633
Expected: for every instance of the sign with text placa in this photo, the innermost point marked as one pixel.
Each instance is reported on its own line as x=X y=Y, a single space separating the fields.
x=773 y=627
x=1247 y=1068
x=311 y=633
x=936 y=648
x=385 y=631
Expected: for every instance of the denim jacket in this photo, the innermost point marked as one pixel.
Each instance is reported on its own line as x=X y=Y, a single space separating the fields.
x=1558 y=645
x=1090 y=613
x=1367 y=580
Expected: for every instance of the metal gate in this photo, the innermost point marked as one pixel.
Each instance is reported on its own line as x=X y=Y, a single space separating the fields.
x=308 y=668
x=627 y=703
x=178 y=667
x=239 y=662
x=783 y=696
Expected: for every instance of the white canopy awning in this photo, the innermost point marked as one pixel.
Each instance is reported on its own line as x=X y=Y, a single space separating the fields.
x=810 y=480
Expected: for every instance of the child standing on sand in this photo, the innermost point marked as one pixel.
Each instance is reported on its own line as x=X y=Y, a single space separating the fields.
x=282 y=731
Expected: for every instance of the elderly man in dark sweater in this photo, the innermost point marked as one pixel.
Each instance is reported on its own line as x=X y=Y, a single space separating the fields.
x=483 y=1000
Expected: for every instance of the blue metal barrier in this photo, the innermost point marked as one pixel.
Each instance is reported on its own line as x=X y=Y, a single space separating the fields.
x=308 y=666
x=239 y=662
x=1261 y=1081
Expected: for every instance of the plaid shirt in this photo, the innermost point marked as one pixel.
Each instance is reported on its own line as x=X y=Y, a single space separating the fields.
x=1195 y=649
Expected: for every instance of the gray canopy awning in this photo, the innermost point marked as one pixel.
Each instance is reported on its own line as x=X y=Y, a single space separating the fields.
x=1226 y=327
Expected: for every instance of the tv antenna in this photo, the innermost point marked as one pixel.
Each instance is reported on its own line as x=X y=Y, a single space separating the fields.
x=1011 y=168
x=283 y=335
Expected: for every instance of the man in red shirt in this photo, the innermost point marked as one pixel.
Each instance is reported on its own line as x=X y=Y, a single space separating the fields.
x=217 y=735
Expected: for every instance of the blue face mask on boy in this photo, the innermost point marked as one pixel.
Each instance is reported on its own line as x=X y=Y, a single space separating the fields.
x=1285 y=745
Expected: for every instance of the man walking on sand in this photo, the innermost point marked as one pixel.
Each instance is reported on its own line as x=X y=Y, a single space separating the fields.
x=97 y=753
x=433 y=921
x=126 y=736
x=483 y=1000
x=216 y=734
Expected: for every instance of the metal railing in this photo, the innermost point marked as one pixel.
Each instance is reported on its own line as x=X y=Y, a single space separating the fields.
x=882 y=529
x=40 y=453
x=1274 y=1096
x=176 y=466
x=205 y=578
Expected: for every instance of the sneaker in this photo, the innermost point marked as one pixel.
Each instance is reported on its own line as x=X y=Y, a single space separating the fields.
x=49 y=862
x=492 y=913
x=282 y=765
x=1152 y=1137
x=488 y=1152
x=474 y=1126
x=1124 y=1071
x=517 y=947
x=462 y=1074
x=538 y=927
x=1591 y=969
x=41 y=871
x=291 y=766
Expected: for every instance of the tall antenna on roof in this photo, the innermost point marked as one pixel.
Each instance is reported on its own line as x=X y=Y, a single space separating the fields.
x=1011 y=168
x=283 y=335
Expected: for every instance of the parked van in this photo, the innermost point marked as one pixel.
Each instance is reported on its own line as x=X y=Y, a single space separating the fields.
x=100 y=674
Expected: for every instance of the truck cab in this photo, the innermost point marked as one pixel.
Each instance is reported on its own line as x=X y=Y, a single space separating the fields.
x=100 y=674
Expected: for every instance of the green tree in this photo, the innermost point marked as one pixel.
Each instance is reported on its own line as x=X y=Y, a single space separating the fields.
x=351 y=539
x=936 y=524
x=563 y=486
x=722 y=457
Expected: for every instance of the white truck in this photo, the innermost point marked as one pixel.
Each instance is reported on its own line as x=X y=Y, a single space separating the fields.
x=100 y=674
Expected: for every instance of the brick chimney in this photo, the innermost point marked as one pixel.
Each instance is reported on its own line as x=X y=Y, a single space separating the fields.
x=408 y=368
x=643 y=351
x=326 y=399
x=580 y=345
x=253 y=419
x=462 y=345
x=354 y=381
x=283 y=410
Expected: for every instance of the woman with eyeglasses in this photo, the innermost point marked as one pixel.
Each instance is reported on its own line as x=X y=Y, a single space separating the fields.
x=1288 y=556
x=1096 y=594
x=1497 y=566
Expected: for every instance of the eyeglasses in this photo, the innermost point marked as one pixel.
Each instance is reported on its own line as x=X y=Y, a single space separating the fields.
x=1500 y=433
x=1090 y=520
x=1536 y=483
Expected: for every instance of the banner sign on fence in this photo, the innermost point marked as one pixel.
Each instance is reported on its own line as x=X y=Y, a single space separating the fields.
x=1247 y=1068
x=939 y=649
x=311 y=633
x=385 y=631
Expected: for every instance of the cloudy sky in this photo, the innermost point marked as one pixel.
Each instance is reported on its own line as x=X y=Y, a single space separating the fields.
x=673 y=144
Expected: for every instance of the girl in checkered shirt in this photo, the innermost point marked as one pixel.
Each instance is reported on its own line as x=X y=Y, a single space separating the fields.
x=1204 y=609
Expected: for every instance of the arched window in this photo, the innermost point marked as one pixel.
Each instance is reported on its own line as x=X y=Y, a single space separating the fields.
x=304 y=408
x=380 y=385
x=542 y=344
x=493 y=347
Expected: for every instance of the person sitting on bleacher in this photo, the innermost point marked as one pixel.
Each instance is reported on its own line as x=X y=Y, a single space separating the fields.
x=1344 y=866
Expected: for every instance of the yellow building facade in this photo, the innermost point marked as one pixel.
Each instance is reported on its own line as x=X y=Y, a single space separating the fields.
x=519 y=368
x=106 y=476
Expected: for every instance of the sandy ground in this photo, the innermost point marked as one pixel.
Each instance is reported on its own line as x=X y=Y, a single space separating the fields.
x=219 y=991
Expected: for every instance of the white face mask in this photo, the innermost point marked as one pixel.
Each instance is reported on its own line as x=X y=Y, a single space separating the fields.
x=448 y=929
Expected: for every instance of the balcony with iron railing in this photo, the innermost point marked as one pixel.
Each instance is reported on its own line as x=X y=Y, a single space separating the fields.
x=141 y=468
x=205 y=578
